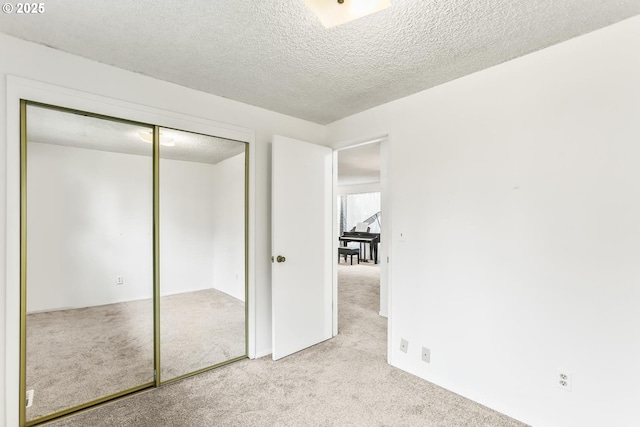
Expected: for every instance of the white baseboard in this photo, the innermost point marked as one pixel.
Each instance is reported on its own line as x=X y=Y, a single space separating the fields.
x=262 y=353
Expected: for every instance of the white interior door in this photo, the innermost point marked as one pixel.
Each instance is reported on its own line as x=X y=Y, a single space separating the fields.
x=301 y=245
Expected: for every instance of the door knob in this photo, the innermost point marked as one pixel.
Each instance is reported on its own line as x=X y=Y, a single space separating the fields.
x=280 y=258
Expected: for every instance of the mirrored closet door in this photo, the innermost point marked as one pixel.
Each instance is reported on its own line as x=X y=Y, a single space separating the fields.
x=88 y=282
x=202 y=252
x=133 y=260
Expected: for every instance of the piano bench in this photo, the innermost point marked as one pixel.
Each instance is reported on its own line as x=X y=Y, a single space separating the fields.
x=342 y=250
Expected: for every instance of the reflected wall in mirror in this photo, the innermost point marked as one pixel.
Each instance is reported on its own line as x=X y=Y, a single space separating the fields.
x=89 y=281
x=202 y=252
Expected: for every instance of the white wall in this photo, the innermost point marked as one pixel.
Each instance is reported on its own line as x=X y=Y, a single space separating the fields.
x=89 y=221
x=51 y=66
x=228 y=231
x=190 y=217
x=517 y=190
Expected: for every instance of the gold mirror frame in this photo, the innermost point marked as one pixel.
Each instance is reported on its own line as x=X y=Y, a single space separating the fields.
x=156 y=267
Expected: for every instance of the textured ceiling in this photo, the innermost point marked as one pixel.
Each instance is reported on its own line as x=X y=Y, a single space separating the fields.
x=49 y=126
x=275 y=54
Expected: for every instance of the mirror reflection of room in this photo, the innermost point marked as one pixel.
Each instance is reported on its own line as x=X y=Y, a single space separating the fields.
x=202 y=252
x=90 y=308
x=89 y=321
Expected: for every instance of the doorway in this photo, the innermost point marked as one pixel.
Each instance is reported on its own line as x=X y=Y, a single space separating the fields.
x=103 y=201
x=360 y=180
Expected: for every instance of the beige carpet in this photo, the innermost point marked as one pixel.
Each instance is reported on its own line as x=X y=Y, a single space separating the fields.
x=79 y=355
x=341 y=382
x=198 y=330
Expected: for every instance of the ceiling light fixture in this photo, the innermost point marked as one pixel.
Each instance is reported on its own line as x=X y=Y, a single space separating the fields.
x=147 y=136
x=332 y=13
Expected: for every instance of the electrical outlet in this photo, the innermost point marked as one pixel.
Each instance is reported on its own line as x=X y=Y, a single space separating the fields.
x=426 y=355
x=563 y=380
x=404 y=345
x=119 y=280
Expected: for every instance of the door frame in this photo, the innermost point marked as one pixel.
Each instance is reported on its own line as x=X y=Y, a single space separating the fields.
x=385 y=208
x=19 y=88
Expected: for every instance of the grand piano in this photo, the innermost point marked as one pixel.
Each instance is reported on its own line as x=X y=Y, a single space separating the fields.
x=363 y=238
